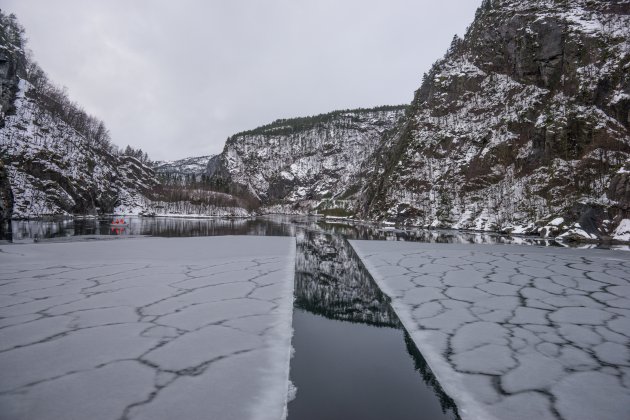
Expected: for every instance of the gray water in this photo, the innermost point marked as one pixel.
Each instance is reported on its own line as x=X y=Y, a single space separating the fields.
x=353 y=358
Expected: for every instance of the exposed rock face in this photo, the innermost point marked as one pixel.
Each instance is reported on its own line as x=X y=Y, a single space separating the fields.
x=6 y=197
x=53 y=168
x=12 y=62
x=213 y=164
x=619 y=191
x=309 y=158
x=524 y=120
x=10 y=49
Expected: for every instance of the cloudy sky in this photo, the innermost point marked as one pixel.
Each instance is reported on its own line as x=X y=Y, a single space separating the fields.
x=176 y=78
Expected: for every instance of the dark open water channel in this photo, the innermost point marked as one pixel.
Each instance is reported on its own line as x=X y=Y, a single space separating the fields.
x=353 y=358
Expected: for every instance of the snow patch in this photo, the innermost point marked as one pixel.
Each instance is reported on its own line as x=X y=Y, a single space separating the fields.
x=622 y=233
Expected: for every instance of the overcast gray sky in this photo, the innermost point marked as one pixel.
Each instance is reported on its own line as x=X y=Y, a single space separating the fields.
x=176 y=78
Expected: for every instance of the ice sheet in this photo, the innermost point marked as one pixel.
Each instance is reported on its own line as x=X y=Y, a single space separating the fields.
x=515 y=332
x=149 y=328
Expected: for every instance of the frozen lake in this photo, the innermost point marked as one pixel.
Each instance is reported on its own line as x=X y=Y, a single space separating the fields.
x=333 y=291
x=348 y=340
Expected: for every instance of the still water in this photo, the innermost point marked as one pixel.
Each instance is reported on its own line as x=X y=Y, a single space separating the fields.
x=353 y=358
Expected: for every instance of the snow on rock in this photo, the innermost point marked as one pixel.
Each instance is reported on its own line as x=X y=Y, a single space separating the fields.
x=306 y=158
x=54 y=170
x=58 y=160
x=576 y=232
x=147 y=328
x=622 y=233
x=513 y=127
x=515 y=332
x=191 y=168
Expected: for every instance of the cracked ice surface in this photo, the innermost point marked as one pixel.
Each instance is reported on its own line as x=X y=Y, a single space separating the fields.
x=154 y=328
x=515 y=332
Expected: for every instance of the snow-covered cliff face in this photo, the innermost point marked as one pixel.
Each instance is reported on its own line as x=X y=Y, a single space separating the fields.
x=11 y=54
x=524 y=122
x=308 y=158
x=192 y=168
x=12 y=62
x=51 y=167
x=53 y=170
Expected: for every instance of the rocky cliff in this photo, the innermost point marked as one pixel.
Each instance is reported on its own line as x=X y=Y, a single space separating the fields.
x=312 y=158
x=6 y=199
x=192 y=169
x=57 y=159
x=523 y=126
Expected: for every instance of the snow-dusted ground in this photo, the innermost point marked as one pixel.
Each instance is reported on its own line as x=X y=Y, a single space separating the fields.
x=156 y=328
x=515 y=332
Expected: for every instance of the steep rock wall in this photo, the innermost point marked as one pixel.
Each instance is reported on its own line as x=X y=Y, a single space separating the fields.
x=525 y=121
x=312 y=158
x=51 y=167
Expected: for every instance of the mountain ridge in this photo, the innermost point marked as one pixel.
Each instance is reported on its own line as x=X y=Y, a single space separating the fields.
x=188 y=168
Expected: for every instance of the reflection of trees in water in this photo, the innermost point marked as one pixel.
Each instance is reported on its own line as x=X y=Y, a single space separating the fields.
x=5 y=230
x=182 y=227
x=420 y=365
x=330 y=280
x=38 y=229
x=153 y=226
x=271 y=225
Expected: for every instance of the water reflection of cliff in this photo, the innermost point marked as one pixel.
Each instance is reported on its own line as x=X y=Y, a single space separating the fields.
x=330 y=280
x=421 y=366
x=439 y=236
